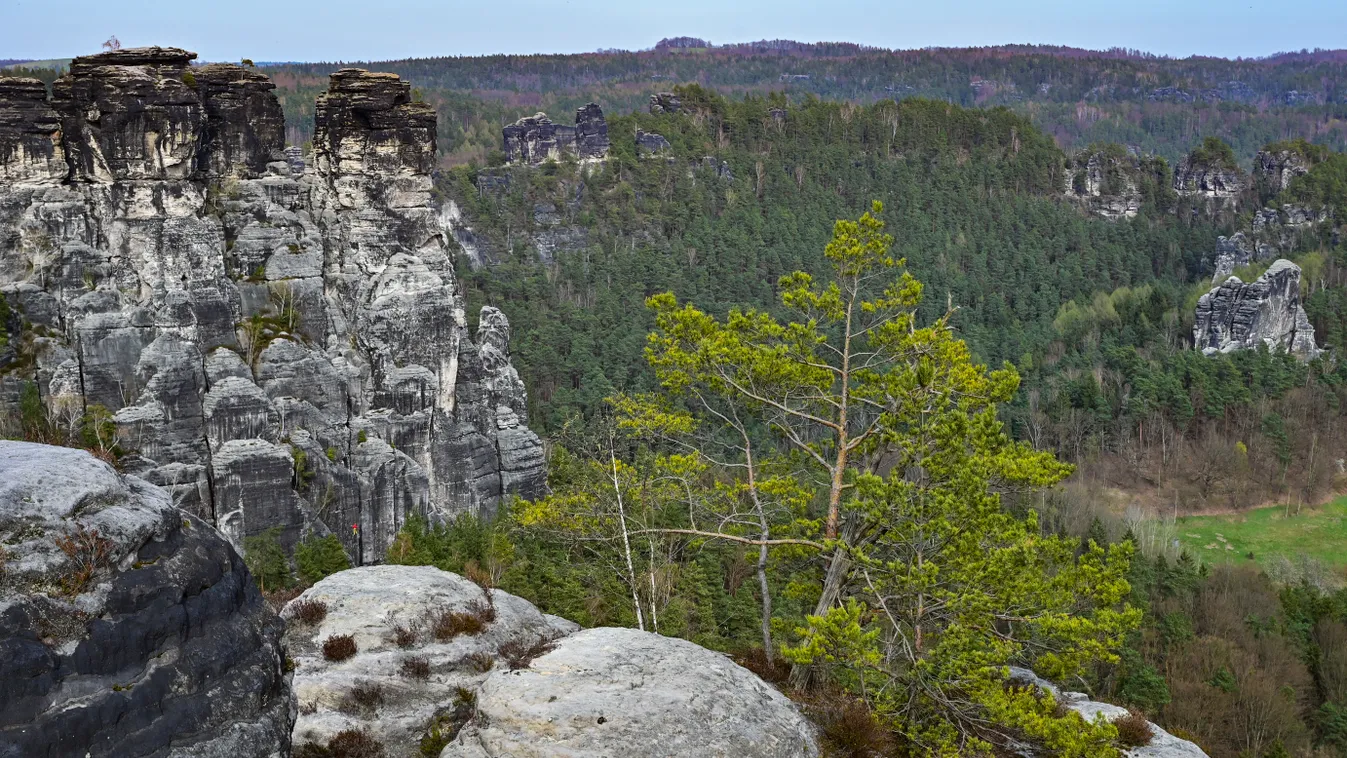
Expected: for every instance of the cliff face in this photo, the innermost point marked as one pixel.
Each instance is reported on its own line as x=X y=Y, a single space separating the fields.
x=1105 y=185
x=1215 y=186
x=1239 y=316
x=281 y=348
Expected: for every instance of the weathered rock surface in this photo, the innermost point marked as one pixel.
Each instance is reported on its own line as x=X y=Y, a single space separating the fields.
x=534 y=139
x=282 y=346
x=649 y=143
x=600 y=692
x=165 y=648
x=1239 y=316
x=607 y=691
x=1218 y=187
x=1274 y=170
x=368 y=603
x=665 y=102
x=1105 y=185
x=1162 y=745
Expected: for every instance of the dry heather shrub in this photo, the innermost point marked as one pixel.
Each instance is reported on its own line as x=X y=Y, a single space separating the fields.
x=339 y=647
x=310 y=612
x=849 y=728
x=519 y=652
x=481 y=662
x=403 y=636
x=416 y=667
x=1134 y=730
x=364 y=698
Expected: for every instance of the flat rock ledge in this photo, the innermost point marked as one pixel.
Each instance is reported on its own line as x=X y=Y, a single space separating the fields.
x=127 y=626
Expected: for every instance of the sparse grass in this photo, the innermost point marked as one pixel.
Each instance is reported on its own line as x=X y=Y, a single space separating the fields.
x=481 y=662
x=354 y=743
x=87 y=553
x=339 y=647
x=848 y=727
x=473 y=621
x=310 y=612
x=519 y=652
x=1134 y=730
x=1317 y=532
x=403 y=636
x=445 y=725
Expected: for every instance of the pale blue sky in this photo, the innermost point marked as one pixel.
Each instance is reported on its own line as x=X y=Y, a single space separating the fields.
x=382 y=29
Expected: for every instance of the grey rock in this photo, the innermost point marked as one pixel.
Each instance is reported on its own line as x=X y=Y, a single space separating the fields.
x=1105 y=185
x=649 y=143
x=168 y=650
x=233 y=307
x=368 y=603
x=1231 y=253
x=606 y=691
x=1274 y=170
x=1217 y=187
x=1239 y=316
x=534 y=139
x=1162 y=745
x=665 y=102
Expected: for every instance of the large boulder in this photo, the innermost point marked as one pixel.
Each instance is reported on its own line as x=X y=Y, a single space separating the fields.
x=127 y=626
x=610 y=692
x=1162 y=744
x=391 y=614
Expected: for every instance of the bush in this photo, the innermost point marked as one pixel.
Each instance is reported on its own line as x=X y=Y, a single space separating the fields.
x=339 y=647
x=473 y=621
x=481 y=662
x=416 y=667
x=403 y=637
x=849 y=728
x=519 y=652
x=1134 y=730
x=354 y=743
x=321 y=557
x=768 y=669
x=309 y=611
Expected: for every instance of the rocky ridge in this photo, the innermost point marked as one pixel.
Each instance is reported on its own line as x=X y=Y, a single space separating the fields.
x=1268 y=312
x=283 y=347
x=1105 y=184
x=127 y=626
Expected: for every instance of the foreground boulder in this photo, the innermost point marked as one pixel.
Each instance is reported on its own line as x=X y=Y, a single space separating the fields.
x=441 y=664
x=127 y=627
x=609 y=692
x=416 y=645
x=1268 y=311
x=1162 y=744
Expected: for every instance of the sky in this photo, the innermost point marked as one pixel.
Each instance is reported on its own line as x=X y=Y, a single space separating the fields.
x=328 y=30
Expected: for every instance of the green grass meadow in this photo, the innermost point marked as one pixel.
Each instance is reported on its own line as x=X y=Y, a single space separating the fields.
x=1318 y=532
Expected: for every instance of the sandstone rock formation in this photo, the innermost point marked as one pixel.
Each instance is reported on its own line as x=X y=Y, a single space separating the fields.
x=127 y=626
x=537 y=138
x=280 y=348
x=1105 y=184
x=1239 y=316
x=649 y=143
x=665 y=102
x=1162 y=745
x=370 y=604
x=624 y=692
x=1216 y=186
x=1274 y=170
x=594 y=692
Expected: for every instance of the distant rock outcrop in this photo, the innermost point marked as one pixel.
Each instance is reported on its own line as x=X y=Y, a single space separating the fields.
x=1217 y=185
x=281 y=346
x=537 y=138
x=1106 y=184
x=1273 y=170
x=649 y=143
x=1239 y=316
x=127 y=627
x=487 y=673
x=665 y=102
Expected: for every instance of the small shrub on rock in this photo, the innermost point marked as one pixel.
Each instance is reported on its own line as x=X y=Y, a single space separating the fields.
x=403 y=636
x=768 y=669
x=445 y=725
x=363 y=699
x=354 y=743
x=481 y=662
x=309 y=611
x=519 y=652
x=339 y=647
x=450 y=624
x=1134 y=730
x=416 y=667
x=849 y=728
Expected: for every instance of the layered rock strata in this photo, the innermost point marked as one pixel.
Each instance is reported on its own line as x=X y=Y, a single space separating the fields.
x=1105 y=185
x=537 y=138
x=1268 y=312
x=127 y=626
x=1216 y=187
x=282 y=347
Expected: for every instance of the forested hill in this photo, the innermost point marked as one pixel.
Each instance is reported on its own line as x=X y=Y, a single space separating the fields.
x=1160 y=105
